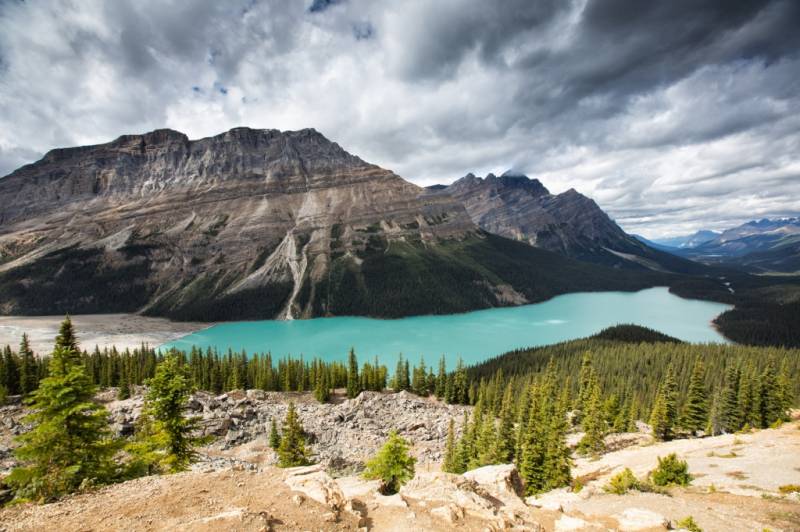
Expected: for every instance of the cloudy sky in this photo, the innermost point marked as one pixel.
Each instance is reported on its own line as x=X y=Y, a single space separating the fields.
x=674 y=115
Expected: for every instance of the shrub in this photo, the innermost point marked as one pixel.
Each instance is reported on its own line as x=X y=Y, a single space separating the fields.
x=393 y=466
x=292 y=450
x=622 y=483
x=689 y=524
x=789 y=488
x=671 y=471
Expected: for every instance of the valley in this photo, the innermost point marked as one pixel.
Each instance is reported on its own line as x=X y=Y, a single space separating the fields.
x=336 y=265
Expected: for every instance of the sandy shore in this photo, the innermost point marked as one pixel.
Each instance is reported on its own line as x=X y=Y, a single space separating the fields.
x=102 y=330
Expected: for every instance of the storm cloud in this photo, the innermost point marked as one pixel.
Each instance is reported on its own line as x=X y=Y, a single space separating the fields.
x=674 y=116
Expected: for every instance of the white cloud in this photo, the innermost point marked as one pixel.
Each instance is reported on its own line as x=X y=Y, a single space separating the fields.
x=685 y=139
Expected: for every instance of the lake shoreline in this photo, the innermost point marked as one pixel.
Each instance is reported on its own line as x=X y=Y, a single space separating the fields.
x=123 y=331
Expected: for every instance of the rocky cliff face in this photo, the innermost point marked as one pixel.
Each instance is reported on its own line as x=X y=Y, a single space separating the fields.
x=515 y=206
x=248 y=224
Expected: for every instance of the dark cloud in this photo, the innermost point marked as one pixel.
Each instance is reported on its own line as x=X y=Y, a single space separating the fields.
x=672 y=115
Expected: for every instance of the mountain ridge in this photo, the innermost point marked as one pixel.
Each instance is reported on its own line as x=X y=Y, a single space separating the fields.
x=254 y=224
x=518 y=207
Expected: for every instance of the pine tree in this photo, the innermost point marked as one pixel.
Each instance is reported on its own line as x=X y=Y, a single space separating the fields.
x=441 y=379
x=659 y=419
x=747 y=410
x=70 y=442
x=770 y=397
x=695 y=414
x=274 y=437
x=353 y=384
x=729 y=410
x=533 y=458
x=450 y=463
x=558 y=468
x=124 y=389
x=11 y=380
x=460 y=384
x=292 y=449
x=670 y=391
x=167 y=442
x=504 y=451
x=785 y=396
x=28 y=378
x=393 y=465
x=586 y=379
x=486 y=443
x=463 y=447
x=322 y=391
x=594 y=425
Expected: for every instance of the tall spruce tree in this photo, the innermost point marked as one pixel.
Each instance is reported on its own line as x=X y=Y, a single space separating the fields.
x=670 y=391
x=441 y=379
x=558 y=468
x=594 y=424
x=770 y=399
x=167 y=440
x=695 y=412
x=746 y=399
x=730 y=419
x=28 y=375
x=659 y=418
x=504 y=451
x=460 y=384
x=353 y=383
x=10 y=376
x=450 y=462
x=274 y=436
x=70 y=442
x=292 y=449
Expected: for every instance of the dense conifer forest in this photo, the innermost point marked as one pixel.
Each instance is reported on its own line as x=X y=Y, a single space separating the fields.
x=525 y=402
x=767 y=308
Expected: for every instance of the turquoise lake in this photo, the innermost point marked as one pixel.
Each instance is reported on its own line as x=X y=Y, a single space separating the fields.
x=473 y=336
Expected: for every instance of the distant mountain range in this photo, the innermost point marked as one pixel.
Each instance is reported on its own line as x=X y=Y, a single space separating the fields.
x=281 y=224
x=759 y=246
x=688 y=241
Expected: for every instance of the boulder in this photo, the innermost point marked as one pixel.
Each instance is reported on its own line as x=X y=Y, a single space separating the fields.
x=560 y=500
x=449 y=488
x=502 y=481
x=633 y=519
x=567 y=523
x=316 y=484
x=449 y=512
x=357 y=487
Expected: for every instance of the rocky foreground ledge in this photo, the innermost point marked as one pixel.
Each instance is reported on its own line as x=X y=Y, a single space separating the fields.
x=235 y=486
x=342 y=435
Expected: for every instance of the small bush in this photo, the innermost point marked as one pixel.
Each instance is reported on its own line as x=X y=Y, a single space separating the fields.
x=671 y=471
x=689 y=524
x=622 y=483
x=789 y=488
x=393 y=465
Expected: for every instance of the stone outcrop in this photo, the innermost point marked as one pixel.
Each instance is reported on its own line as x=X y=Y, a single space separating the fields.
x=316 y=484
x=635 y=519
x=501 y=481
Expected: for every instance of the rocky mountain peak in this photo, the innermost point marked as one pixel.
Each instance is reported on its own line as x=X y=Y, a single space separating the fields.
x=509 y=180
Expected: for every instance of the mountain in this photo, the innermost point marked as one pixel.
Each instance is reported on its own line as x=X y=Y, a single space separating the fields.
x=758 y=246
x=656 y=245
x=688 y=241
x=254 y=224
x=517 y=207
